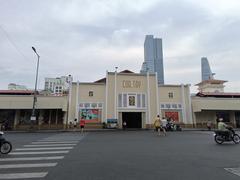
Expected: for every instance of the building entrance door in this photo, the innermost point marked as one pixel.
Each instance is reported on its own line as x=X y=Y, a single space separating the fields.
x=133 y=119
x=237 y=118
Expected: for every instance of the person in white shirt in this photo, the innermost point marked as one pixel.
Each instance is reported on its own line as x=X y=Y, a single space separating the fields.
x=163 y=125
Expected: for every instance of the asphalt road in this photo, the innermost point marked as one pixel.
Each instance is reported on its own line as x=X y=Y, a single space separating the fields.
x=121 y=155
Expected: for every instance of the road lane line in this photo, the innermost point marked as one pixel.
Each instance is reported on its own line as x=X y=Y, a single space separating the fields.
x=23 y=175
x=31 y=158
x=8 y=166
x=42 y=152
x=42 y=148
x=235 y=171
x=48 y=145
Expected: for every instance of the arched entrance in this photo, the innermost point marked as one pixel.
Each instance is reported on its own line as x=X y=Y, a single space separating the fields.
x=133 y=119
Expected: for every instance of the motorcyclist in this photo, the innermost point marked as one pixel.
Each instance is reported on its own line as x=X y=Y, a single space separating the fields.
x=170 y=125
x=223 y=127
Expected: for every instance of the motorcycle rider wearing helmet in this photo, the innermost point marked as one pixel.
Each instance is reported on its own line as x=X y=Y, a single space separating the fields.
x=223 y=127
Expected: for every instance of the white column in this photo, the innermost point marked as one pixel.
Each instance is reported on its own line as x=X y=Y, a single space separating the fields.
x=77 y=103
x=16 y=118
x=148 y=97
x=50 y=117
x=69 y=102
x=56 y=122
x=194 y=119
x=183 y=104
x=157 y=95
x=106 y=98
x=190 y=105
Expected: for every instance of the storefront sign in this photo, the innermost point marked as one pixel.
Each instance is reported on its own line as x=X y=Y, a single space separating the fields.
x=131 y=84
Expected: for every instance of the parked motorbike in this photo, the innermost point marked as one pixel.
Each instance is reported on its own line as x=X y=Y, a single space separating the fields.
x=169 y=126
x=226 y=136
x=173 y=127
x=5 y=146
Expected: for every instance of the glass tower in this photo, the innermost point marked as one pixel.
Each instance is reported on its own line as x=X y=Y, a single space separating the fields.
x=206 y=70
x=153 y=57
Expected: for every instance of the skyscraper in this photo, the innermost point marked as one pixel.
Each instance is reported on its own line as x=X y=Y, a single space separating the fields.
x=206 y=70
x=153 y=57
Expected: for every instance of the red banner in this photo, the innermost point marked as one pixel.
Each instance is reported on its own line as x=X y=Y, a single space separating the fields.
x=173 y=115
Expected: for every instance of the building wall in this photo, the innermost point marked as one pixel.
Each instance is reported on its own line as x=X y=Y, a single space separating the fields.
x=180 y=99
x=206 y=108
x=80 y=95
x=206 y=103
x=133 y=84
x=26 y=102
x=20 y=108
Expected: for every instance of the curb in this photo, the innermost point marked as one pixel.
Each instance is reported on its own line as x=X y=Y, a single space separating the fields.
x=100 y=130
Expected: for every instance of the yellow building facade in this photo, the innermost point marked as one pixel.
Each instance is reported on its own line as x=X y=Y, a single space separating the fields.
x=134 y=98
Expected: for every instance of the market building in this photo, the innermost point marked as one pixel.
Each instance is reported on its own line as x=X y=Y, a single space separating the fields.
x=212 y=103
x=125 y=96
x=135 y=98
x=131 y=97
x=16 y=110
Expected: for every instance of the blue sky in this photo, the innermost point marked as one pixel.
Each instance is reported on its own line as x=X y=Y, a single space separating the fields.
x=85 y=38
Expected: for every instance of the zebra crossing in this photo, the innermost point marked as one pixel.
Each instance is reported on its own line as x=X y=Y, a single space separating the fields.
x=35 y=160
x=235 y=171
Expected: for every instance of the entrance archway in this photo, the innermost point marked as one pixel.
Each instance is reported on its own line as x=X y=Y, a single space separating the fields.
x=133 y=119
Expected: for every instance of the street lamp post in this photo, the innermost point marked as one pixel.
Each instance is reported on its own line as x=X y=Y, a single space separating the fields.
x=33 y=117
x=69 y=81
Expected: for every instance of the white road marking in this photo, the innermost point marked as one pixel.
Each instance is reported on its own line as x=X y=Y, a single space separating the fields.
x=54 y=142
x=23 y=175
x=7 y=166
x=42 y=152
x=32 y=158
x=42 y=148
x=48 y=145
x=235 y=171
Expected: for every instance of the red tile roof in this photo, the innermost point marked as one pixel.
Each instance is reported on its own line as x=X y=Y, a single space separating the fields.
x=16 y=92
x=218 y=94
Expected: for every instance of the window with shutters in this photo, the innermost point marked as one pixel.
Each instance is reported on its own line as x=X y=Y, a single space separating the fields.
x=120 y=100
x=124 y=100
x=138 y=100
x=131 y=100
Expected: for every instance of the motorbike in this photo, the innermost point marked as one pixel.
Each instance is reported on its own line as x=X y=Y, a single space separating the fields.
x=169 y=126
x=173 y=127
x=5 y=146
x=226 y=136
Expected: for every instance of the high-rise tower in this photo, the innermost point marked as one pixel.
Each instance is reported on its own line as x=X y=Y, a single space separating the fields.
x=153 y=57
x=206 y=70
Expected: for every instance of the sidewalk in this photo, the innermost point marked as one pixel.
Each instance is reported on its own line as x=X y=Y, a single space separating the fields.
x=101 y=130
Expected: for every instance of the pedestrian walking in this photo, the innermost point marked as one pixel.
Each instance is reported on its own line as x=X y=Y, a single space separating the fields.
x=75 y=124
x=82 y=125
x=164 y=125
x=70 y=125
x=157 y=125
x=209 y=125
x=124 y=125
